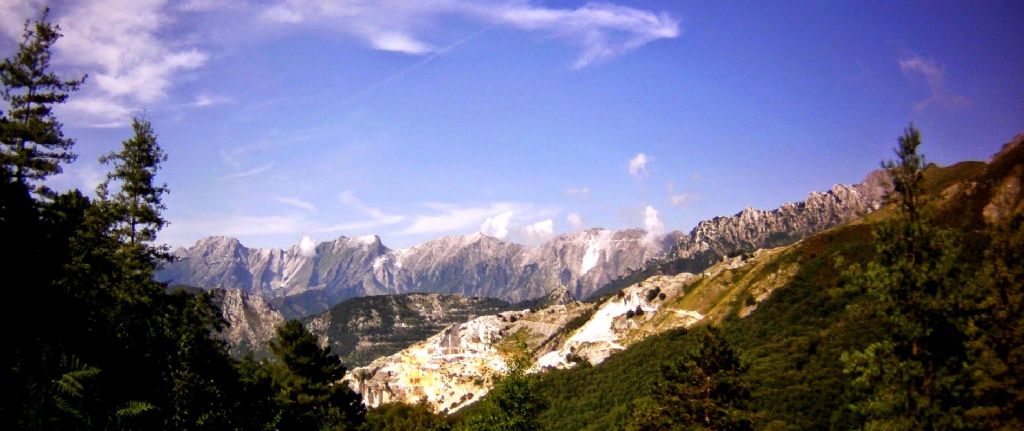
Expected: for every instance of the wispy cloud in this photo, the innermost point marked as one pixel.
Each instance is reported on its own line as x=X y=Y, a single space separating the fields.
x=575 y=220
x=580 y=191
x=455 y=218
x=601 y=30
x=233 y=157
x=296 y=202
x=679 y=198
x=185 y=229
x=376 y=217
x=249 y=173
x=204 y=100
x=934 y=76
x=638 y=165
x=123 y=47
x=505 y=220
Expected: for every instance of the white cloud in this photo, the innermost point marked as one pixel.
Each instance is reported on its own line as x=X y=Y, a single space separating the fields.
x=296 y=202
x=934 y=76
x=575 y=220
x=204 y=100
x=83 y=176
x=497 y=226
x=249 y=173
x=99 y=111
x=652 y=223
x=307 y=247
x=13 y=15
x=122 y=45
x=540 y=230
x=602 y=31
x=450 y=218
x=638 y=165
x=573 y=191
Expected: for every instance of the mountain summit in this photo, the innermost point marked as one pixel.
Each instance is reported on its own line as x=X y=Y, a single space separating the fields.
x=302 y=283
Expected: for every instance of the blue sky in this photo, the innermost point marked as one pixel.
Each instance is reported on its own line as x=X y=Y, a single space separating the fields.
x=522 y=119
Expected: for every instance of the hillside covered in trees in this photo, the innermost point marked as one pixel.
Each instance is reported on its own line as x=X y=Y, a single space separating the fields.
x=912 y=318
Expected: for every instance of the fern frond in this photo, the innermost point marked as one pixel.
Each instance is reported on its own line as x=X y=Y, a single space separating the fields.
x=132 y=409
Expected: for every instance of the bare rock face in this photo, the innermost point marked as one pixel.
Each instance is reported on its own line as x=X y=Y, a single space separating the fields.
x=752 y=229
x=360 y=330
x=251 y=322
x=459 y=364
x=478 y=265
x=473 y=265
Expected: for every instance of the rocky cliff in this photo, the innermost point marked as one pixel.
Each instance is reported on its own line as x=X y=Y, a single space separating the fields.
x=251 y=322
x=458 y=365
x=473 y=265
x=752 y=229
x=478 y=265
x=360 y=330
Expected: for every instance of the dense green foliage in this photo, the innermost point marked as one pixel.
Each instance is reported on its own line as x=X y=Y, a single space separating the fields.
x=405 y=417
x=137 y=204
x=34 y=145
x=92 y=341
x=513 y=404
x=704 y=389
x=307 y=385
x=941 y=360
x=961 y=303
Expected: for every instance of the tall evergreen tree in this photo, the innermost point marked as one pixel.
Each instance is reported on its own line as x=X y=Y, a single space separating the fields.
x=34 y=145
x=913 y=378
x=997 y=333
x=310 y=390
x=136 y=207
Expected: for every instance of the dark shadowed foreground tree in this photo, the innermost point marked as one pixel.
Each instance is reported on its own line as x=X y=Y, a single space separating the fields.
x=996 y=333
x=702 y=390
x=91 y=341
x=309 y=387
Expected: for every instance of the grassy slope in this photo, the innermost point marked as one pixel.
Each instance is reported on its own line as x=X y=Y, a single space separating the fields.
x=793 y=341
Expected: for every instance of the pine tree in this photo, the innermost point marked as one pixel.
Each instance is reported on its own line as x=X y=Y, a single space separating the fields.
x=913 y=377
x=311 y=393
x=136 y=207
x=34 y=145
x=703 y=390
x=997 y=333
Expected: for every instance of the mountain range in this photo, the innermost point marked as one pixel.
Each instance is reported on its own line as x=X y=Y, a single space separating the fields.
x=301 y=284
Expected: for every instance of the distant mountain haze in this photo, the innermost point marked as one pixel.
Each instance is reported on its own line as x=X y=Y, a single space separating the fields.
x=301 y=282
